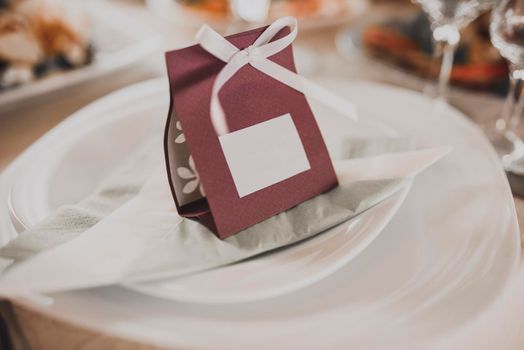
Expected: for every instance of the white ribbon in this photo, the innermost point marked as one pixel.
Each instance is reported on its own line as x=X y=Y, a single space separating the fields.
x=257 y=55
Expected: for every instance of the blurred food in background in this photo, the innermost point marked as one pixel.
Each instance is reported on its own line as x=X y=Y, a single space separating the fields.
x=309 y=8
x=211 y=7
x=302 y=9
x=408 y=44
x=39 y=37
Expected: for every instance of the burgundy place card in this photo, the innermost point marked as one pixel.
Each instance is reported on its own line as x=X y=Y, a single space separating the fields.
x=273 y=157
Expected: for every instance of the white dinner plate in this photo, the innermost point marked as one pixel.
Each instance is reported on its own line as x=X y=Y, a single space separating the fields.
x=119 y=42
x=59 y=174
x=441 y=261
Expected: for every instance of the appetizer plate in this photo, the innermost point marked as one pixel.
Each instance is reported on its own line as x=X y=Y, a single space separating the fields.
x=59 y=174
x=349 y=44
x=119 y=42
x=444 y=258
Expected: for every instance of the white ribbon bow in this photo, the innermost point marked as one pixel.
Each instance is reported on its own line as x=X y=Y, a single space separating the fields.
x=257 y=55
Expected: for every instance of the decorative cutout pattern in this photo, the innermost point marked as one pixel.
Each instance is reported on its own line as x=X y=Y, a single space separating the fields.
x=188 y=173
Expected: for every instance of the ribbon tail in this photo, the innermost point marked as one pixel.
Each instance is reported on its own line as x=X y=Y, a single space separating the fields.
x=218 y=118
x=307 y=87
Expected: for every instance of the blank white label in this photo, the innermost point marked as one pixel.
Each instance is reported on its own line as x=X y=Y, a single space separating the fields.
x=264 y=154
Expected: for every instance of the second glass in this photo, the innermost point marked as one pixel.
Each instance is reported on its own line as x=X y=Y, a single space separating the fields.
x=447 y=18
x=507 y=35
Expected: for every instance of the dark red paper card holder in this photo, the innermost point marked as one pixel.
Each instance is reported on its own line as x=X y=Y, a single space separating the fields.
x=199 y=176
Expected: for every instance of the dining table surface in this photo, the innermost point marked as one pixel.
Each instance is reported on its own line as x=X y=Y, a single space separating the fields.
x=501 y=326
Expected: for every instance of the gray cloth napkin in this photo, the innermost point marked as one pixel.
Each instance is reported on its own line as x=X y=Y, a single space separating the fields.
x=69 y=221
x=163 y=244
x=357 y=147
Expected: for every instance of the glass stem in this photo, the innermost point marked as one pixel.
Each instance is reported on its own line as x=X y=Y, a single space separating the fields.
x=446 y=38
x=514 y=105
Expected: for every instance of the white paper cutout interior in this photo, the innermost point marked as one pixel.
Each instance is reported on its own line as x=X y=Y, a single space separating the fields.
x=264 y=154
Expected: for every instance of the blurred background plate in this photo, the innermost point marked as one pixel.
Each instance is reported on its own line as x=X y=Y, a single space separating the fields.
x=118 y=43
x=400 y=46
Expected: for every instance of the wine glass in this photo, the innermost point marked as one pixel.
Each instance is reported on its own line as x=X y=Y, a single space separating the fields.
x=248 y=13
x=447 y=18
x=507 y=35
x=252 y=11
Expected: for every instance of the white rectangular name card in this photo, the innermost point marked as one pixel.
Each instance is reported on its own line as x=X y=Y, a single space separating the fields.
x=264 y=154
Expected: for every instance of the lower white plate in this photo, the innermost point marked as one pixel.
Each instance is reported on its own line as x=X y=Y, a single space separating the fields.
x=445 y=256
x=284 y=271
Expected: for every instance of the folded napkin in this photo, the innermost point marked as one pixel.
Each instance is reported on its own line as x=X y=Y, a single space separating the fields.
x=125 y=182
x=144 y=239
x=69 y=221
